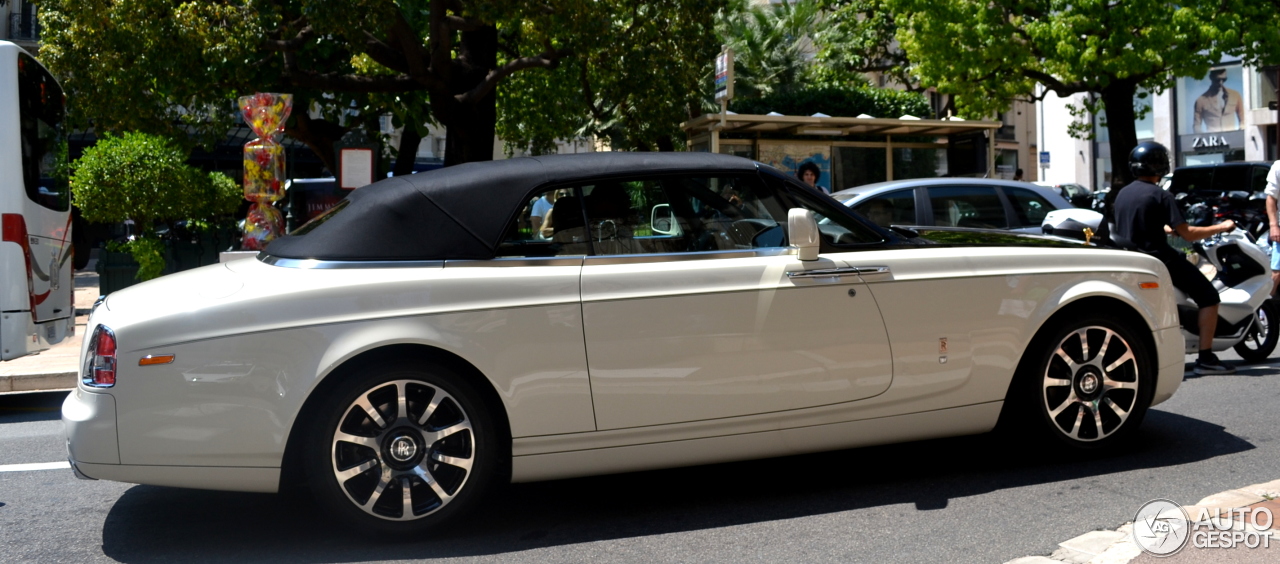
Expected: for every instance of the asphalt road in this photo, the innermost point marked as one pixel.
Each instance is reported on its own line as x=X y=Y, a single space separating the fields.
x=973 y=499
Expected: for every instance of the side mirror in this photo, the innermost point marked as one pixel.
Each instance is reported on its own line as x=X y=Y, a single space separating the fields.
x=802 y=231
x=663 y=221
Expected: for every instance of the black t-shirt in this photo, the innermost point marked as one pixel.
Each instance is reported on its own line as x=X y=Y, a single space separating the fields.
x=1142 y=210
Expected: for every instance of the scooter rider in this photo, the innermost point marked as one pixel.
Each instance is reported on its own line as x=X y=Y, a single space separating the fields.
x=1142 y=212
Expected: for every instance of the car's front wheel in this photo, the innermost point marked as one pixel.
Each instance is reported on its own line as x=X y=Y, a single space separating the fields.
x=401 y=448
x=1088 y=383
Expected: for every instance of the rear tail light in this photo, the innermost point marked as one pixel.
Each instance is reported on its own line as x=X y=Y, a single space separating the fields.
x=100 y=359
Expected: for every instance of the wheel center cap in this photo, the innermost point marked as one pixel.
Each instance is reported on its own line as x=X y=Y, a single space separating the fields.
x=402 y=449
x=1089 y=383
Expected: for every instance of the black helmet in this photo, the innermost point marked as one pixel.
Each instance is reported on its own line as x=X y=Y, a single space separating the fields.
x=1149 y=159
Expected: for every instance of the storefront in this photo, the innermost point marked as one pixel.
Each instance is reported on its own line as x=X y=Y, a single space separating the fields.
x=1211 y=116
x=851 y=152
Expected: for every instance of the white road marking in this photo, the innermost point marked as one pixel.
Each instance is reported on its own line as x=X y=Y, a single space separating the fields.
x=36 y=466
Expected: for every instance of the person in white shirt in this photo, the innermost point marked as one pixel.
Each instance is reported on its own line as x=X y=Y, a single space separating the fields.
x=1273 y=195
x=542 y=210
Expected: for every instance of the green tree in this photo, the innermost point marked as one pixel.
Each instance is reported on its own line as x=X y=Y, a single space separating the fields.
x=858 y=37
x=171 y=66
x=634 y=89
x=144 y=178
x=773 y=47
x=989 y=52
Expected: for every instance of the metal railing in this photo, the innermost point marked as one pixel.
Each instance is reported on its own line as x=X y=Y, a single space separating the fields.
x=24 y=27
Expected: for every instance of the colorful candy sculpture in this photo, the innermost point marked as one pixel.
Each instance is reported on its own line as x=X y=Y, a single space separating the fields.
x=266 y=113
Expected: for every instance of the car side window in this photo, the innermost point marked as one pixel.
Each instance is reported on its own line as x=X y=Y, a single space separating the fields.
x=894 y=208
x=835 y=227
x=967 y=206
x=1030 y=206
x=531 y=233
x=1259 y=181
x=677 y=214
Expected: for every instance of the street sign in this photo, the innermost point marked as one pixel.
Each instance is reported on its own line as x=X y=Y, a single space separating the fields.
x=1044 y=159
x=724 y=75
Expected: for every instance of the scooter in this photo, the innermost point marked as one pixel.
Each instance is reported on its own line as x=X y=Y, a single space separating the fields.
x=1239 y=270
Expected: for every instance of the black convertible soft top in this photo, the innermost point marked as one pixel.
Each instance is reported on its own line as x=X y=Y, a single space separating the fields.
x=460 y=212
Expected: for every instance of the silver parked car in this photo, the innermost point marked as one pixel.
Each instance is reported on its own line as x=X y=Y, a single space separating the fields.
x=955 y=202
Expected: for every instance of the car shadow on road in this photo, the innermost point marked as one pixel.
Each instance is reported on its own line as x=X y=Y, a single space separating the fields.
x=150 y=524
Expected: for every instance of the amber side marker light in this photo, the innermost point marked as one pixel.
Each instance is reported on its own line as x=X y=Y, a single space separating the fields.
x=152 y=359
x=1149 y=285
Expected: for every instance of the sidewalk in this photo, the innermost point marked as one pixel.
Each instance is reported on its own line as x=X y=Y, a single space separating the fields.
x=1119 y=547
x=54 y=369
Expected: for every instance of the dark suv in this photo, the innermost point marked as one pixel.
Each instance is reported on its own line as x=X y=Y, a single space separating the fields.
x=1211 y=193
x=1221 y=178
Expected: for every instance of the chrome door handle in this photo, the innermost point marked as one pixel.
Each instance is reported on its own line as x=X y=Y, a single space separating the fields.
x=872 y=269
x=823 y=273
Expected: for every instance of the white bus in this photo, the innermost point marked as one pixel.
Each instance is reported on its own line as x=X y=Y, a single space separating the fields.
x=36 y=296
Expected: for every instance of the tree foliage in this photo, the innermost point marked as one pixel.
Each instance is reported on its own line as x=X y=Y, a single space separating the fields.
x=837 y=101
x=145 y=178
x=169 y=66
x=989 y=52
x=634 y=88
x=773 y=47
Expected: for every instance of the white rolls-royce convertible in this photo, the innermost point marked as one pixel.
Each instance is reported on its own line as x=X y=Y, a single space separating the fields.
x=538 y=318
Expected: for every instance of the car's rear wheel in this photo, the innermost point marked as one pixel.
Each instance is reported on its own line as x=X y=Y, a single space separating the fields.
x=1088 y=383
x=402 y=448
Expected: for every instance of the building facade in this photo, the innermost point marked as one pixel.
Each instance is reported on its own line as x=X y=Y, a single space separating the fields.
x=1224 y=116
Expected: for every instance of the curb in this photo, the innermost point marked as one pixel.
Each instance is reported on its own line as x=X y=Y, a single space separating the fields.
x=1117 y=547
x=46 y=382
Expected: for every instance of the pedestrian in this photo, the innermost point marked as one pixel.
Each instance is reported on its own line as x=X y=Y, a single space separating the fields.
x=1273 y=194
x=1017 y=175
x=809 y=173
x=1143 y=213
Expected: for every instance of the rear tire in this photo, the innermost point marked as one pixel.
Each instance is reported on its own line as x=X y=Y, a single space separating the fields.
x=1088 y=383
x=401 y=448
x=1260 y=339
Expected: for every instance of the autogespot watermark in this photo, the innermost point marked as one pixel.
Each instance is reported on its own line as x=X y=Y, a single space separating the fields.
x=1162 y=527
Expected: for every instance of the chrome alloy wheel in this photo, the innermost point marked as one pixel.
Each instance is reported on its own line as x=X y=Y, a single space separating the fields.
x=403 y=450
x=1090 y=385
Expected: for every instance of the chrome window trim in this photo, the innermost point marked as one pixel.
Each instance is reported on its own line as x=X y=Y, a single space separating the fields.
x=313 y=264
x=567 y=260
x=695 y=255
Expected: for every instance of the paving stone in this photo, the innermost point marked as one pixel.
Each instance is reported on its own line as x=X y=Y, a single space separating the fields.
x=1093 y=543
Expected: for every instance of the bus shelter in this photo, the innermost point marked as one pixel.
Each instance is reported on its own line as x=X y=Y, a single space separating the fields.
x=851 y=151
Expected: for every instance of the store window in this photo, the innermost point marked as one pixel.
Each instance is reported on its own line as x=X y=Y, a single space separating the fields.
x=918 y=163
x=856 y=166
x=1265 y=83
x=1006 y=163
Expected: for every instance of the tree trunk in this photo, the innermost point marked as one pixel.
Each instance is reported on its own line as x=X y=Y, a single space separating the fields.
x=317 y=134
x=1117 y=98
x=471 y=127
x=408 y=150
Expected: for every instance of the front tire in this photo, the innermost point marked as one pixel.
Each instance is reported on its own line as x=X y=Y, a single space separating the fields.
x=402 y=448
x=1260 y=339
x=1088 y=383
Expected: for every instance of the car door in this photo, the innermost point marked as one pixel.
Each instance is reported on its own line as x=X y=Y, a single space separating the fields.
x=967 y=206
x=955 y=315
x=695 y=309
x=1029 y=209
x=891 y=208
